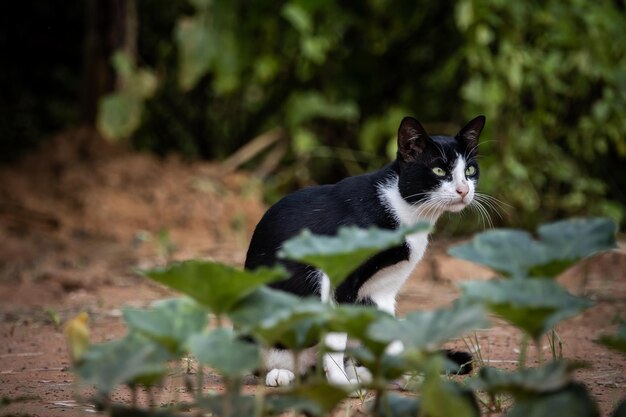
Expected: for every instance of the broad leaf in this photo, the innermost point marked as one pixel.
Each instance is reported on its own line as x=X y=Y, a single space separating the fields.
x=427 y=330
x=620 y=410
x=131 y=360
x=510 y=252
x=559 y=245
x=197 y=50
x=397 y=406
x=534 y=306
x=277 y=317
x=616 y=342
x=119 y=115
x=444 y=398
x=315 y=398
x=571 y=401
x=119 y=410
x=170 y=322
x=551 y=377
x=215 y=285
x=223 y=351
x=356 y=321
x=339 y=255
x=238 y=405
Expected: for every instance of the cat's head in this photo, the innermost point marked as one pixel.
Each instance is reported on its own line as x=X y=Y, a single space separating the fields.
x=439 y=173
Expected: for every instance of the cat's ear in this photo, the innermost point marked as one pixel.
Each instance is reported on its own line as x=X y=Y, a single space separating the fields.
x=412 y=139
x=470 y=133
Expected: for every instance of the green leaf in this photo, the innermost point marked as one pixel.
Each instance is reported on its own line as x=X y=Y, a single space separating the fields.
x=356 y=322
x=571 y=401
x=225 y=352
x=620 y=410
x=214 y=285
x=170 y=322
x=298 y=17
x=510 y=252
x=131 y=360
x=616 y=342
x=197 y=49
x=274 y=317
x=315 y=397
x=534 y=306
x=304 y=106
x=239 y=405
x=339 y=255
x=397 y=406
x=119 y=115
x=571 y=240
x=560 y=245
x=528 y=381
x=443 y=398
x=427 y=330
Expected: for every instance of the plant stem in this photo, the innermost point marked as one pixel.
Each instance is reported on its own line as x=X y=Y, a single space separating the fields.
x=296 y=367
x=522 y=352
x=539 y=350
x=259 y=399
x=133 y=393
x=199 y=381
x=226 y=397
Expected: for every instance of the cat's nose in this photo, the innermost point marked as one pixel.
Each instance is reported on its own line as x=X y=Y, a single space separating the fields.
x=462 y=190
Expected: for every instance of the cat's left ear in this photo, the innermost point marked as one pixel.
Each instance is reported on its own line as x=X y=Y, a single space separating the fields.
x=470 y=133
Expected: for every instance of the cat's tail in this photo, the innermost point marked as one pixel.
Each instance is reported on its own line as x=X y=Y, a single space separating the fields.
x=462 y=361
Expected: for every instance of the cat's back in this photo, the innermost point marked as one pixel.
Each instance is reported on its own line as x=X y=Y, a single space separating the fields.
x=321 y=209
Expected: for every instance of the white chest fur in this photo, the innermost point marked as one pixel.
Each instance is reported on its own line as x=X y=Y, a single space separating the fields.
x=383 y=286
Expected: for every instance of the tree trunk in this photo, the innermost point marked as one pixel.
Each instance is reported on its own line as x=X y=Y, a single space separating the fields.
x=111 y=25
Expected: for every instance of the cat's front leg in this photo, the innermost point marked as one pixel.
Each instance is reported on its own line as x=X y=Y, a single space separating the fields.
x=334 y=360
x=280 y=365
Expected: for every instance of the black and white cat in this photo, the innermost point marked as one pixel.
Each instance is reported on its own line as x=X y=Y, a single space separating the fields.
x=431 y=175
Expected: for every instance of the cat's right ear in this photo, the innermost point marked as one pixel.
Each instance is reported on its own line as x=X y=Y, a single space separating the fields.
x=412 y=139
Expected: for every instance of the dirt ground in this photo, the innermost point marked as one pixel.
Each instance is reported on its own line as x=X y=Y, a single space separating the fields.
x=78 y=215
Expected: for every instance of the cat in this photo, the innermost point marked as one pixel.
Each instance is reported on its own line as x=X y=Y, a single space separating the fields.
x=430 y=175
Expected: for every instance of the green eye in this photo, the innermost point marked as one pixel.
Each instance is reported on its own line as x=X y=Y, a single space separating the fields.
x=469 y=171
x=439 y=172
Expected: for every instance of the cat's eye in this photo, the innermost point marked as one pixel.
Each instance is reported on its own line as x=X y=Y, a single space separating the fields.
x=439 y=172
x=469 y=171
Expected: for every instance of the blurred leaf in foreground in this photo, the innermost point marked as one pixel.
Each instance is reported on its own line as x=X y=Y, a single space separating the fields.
x=339 y=255
x=571 y=401
x=428 y=330
x=170 y=322
x=225 y=352
x=528 y=381
x=277 y=317
x=77 y=333
x=616 y=341
x=131 y=360
x=534 y=306
x=515 y=253
x=214 y=285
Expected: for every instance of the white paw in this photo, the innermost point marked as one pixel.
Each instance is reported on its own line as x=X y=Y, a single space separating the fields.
x=342 y=380
x=358 y=373
x=279 y=378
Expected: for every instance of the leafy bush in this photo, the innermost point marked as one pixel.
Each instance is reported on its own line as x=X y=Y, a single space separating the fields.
x=171 y=329
x=550 y=77
x=340 y=77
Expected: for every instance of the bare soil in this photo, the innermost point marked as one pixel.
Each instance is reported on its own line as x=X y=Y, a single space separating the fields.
x=79 y=214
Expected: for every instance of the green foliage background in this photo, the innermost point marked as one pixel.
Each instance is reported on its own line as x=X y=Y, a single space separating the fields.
x=338 y=76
